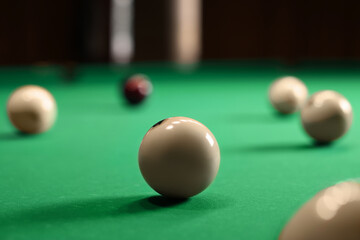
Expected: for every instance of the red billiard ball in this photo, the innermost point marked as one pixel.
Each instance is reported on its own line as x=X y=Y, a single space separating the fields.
x=137 y=88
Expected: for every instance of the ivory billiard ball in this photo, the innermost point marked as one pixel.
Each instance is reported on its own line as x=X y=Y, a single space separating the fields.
x=32 y=109
x=179 y=157
x=333 y=214
x=137 y=88
x=288 y=94
x=326 y=116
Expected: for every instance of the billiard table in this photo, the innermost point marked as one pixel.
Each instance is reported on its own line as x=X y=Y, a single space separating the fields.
x=81 y=179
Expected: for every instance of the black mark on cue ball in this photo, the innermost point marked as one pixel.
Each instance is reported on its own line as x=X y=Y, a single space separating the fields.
x=158 y=123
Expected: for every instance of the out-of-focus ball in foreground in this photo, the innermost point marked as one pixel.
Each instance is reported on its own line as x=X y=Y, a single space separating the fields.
x=32 y=109
x=333 y=214
x=179 y=157
x=137 y=88
x=326 y=116
x=288 y=94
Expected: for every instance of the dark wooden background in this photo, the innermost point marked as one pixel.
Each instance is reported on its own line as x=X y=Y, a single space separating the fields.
x=78 y=30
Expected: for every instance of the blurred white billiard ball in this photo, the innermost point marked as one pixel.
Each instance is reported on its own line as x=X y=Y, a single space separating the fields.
x=326 y=116
x=287 y=94
x=179 y=157
x=32 y=109
x=332 y=214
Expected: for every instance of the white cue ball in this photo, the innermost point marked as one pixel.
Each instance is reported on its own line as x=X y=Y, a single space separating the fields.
x=333 y=214
x=32 y=109
x=326 y=116
x=288 y=94
x=179 y=157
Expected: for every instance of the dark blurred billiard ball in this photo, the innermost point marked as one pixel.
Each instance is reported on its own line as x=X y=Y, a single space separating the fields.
x=136 y=88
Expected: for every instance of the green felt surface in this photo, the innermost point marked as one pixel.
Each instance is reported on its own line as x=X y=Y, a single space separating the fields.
x=81 y=179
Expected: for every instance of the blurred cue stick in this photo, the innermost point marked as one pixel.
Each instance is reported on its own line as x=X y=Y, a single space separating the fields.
x=121 y=34
x=185 y=30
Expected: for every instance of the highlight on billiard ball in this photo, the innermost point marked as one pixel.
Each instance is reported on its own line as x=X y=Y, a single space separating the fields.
x=288 y=94
x=179 y=157
x=32 y=109
x=137 y=88
x=332 y=214
x=326 y=116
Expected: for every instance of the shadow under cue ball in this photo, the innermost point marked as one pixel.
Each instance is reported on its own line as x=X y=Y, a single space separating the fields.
x=288 y=94
x=179 y=157
x=32 y=109
x=333 y=214
x=326 y=116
